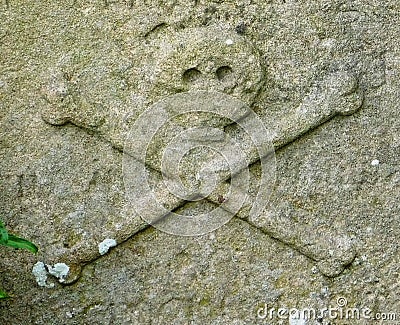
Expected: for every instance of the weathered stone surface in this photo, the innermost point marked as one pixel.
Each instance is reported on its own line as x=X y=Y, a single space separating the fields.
x=156 y=278
x=323 y=78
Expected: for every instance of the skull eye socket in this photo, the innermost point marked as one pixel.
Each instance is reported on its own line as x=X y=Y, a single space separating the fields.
x=191 y=75
x=224 y=72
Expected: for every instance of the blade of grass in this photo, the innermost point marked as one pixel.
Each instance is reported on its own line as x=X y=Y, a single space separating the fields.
x=3 y=294
x=17 y=242
x=3 y=233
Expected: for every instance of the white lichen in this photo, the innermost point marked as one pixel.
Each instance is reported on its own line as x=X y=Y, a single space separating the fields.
x=40 y=273
x=229 y=42
x=60 y=271
x=375 y=162
x=106 y=244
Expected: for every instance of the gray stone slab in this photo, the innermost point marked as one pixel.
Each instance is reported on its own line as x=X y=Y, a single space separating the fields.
x=322 y=77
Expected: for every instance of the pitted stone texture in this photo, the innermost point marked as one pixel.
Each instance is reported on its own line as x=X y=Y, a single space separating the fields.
x=208 y=58
x=335 y=94
x=338 y=93
x=103 y=92
x=90 y=90
x=332 y=249
x=155 y=278
x=329 y=245
x=71 y=188
x=299 y=41
x=223 y=158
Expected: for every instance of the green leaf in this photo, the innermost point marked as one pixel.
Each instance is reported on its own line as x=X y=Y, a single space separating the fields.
x=16 y=242
x=3 y=294
x=3 y=233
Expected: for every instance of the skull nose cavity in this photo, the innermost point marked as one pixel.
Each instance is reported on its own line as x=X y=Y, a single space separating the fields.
x=191 y=75
x=224 y=73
